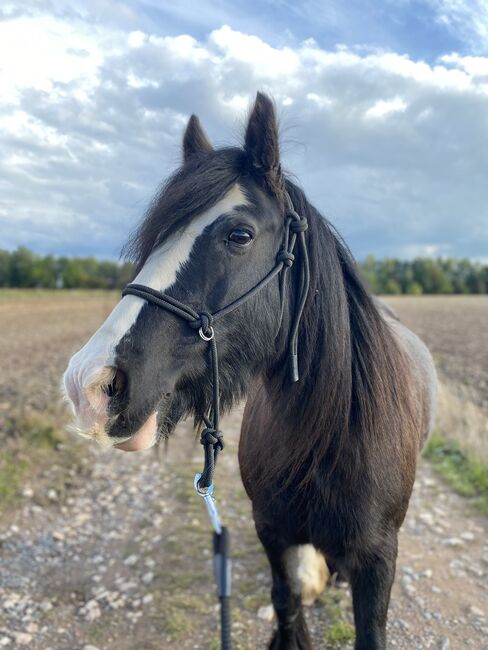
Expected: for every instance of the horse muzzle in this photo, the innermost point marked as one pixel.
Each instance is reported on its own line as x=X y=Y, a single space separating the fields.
x=97 y=395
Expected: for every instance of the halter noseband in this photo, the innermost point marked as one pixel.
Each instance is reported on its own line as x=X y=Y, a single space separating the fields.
x=211 y=437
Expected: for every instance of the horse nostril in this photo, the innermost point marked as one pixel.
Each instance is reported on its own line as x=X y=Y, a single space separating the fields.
x=117 y=386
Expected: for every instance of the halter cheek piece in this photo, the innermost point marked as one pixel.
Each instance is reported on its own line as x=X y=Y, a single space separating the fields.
x=295 y=227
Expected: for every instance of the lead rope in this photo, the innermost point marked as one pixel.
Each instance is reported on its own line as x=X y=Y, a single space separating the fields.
x=222 y=563
x=211 y=437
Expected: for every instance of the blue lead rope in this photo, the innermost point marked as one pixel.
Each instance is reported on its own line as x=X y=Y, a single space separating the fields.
x=222 y=562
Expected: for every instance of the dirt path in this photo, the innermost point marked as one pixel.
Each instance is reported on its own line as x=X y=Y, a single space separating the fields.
x=124 y=563
x=119 y=558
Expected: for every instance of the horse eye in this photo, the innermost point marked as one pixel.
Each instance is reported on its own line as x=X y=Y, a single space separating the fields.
x=240 y=236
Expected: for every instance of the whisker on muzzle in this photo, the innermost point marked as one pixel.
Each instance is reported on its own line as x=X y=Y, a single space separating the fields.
x=99 y=391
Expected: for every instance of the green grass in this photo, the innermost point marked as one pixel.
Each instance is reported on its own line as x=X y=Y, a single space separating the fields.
x=12 y=473
x=468 y=476
x=42 y=433
x=29 y=432
x=33 y=443
x=339 y=631
x=177 y=623
x=97 y=632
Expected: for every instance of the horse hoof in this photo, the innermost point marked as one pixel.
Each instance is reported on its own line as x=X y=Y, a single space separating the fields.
x=278 y=642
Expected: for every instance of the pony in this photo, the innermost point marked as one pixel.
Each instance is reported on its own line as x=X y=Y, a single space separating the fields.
x=328 y=461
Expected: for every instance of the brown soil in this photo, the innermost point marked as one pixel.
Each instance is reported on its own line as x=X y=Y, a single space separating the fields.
x=455 y=329
x=117 y=557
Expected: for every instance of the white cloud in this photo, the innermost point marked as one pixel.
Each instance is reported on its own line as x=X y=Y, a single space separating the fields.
x=475 y=66
x=467 y=19
x=41 y=52
x=322 y=101
x=391 y=148
x=386 y=107
x=425 y=250
x=136 y=39
x=267 y=62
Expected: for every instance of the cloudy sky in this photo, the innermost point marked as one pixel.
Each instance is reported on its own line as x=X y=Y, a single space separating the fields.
x=383 y=109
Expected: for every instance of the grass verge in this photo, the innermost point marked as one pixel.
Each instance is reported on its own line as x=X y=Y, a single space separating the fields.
x=339 y=630
x=31 y=445
x=467 y=475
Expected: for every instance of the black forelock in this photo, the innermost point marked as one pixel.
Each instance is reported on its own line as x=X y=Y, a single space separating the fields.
x=195 y=187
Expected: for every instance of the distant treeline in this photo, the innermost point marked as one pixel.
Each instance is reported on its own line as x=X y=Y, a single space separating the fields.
x=24 y=269
x=425 y=275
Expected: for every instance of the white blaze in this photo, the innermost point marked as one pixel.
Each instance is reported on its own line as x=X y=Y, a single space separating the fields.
x=90 y=368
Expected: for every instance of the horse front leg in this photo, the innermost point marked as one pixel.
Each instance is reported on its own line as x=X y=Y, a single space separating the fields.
x=371 y=583
x=292 y=632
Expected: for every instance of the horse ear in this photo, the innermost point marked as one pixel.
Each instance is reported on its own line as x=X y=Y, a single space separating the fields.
x=195 y=140
x=262 y=141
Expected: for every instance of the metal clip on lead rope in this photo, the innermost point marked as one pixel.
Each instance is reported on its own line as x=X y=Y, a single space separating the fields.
x=207 y=496
x=222 y=562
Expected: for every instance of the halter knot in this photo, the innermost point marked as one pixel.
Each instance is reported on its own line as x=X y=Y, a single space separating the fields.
x=286 y=257
x=298 y=223
x=212 y=437
x=203 y=322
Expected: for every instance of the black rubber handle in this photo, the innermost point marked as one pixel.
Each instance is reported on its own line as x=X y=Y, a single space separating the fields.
x=222 y=563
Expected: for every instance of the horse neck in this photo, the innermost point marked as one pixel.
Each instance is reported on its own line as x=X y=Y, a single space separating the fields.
x=347 y=392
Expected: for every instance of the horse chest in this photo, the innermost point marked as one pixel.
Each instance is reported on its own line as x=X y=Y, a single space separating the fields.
x=334 y=523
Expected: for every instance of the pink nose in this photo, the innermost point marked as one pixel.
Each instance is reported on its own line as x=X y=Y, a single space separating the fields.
x=89 y=390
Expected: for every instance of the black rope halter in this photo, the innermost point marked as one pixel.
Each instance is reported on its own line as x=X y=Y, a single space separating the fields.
x=295 y=227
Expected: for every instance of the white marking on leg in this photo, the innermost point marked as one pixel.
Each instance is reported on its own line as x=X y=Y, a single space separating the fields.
x=307 y=572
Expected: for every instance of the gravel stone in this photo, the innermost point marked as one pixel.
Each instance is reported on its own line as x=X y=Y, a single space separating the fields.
x=148 y=577
x=23 y=638
x=476 y=611
x=266 y=613
x=90 y=611
x=454 y=542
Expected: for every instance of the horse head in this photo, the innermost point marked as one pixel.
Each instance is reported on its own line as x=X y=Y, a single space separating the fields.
x=212 y=233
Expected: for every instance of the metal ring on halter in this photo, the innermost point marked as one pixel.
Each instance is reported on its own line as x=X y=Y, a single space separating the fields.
x=204 y=336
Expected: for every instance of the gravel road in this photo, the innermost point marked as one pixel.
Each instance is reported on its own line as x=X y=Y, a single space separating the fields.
x=123 y=561
x=120 y=557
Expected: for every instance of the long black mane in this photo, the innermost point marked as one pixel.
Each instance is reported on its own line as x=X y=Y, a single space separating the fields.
x=348 y=398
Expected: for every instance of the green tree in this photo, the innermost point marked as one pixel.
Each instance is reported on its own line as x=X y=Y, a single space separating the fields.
x=414 y=289
x=22 y=265
x=5 y=279
x=22 y=268
x=392 y=287
x=370 y=273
